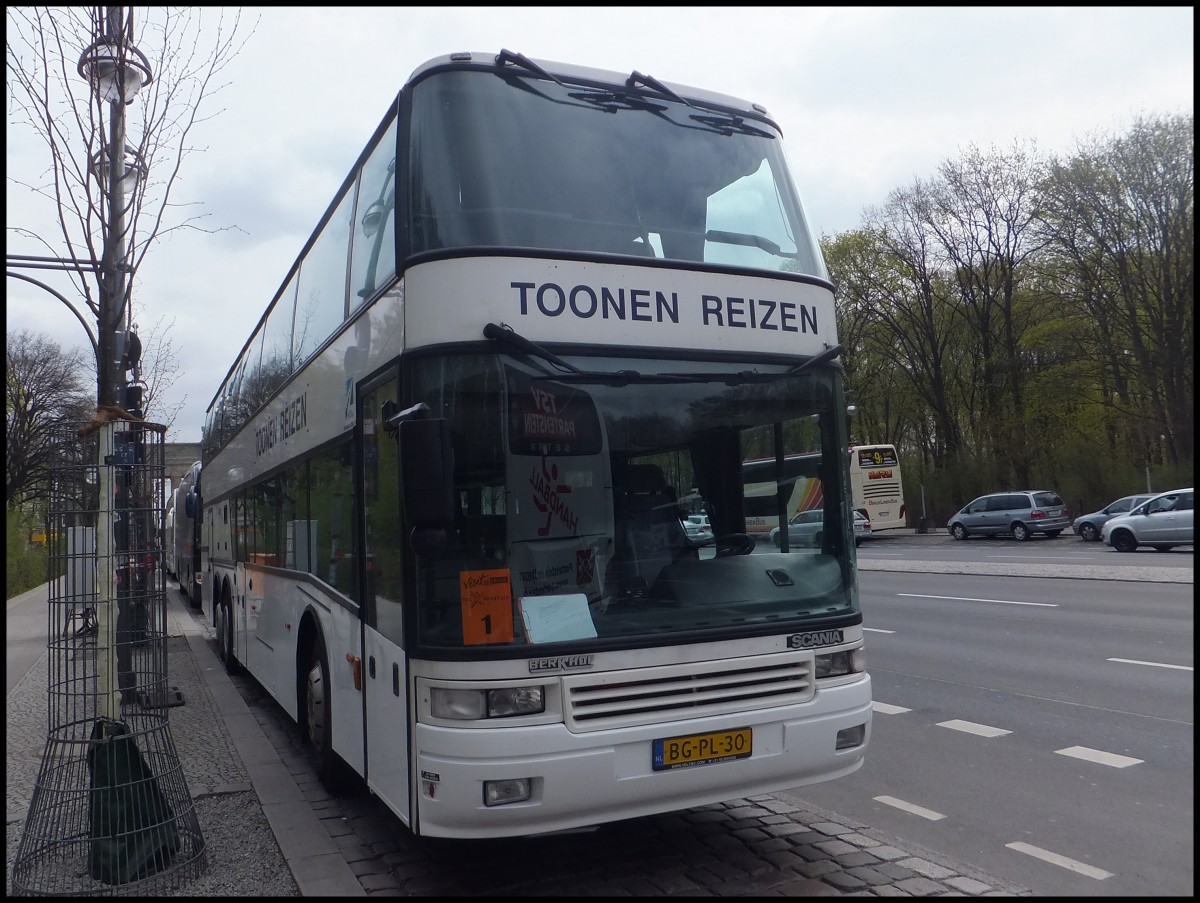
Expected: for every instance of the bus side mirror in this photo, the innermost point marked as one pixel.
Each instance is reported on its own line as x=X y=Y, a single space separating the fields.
x=427 y=473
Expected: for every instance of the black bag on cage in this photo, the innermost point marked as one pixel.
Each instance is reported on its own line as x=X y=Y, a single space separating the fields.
x=133 y=833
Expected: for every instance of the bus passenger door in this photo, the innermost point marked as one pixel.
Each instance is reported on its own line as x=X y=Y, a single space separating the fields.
x=384 y=674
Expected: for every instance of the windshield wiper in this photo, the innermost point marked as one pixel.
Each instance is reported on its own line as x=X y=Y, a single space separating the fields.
x=636 y=78
x=754 y=376
x=507 y=56
x=745 y=238
x=824 y=357
x=727 y=125
x=612 y=101
x=505 y=335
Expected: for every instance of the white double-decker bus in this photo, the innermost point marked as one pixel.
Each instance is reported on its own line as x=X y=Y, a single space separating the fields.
x=876 y=488
x=443 y=478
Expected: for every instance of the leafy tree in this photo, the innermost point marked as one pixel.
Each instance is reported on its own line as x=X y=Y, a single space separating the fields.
x=1120 y=217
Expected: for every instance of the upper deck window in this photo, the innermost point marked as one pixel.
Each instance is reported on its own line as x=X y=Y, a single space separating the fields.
x=518 y=162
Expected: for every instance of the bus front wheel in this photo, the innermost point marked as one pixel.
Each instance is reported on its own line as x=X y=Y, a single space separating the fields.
x=318 y=727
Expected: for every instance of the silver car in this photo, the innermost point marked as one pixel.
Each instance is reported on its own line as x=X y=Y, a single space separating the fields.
x=1019 y=514
x=1162 y=522
x=806 y=528
x=1087 y=526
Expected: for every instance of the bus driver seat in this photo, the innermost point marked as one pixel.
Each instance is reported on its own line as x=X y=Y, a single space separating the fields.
x=648 y=529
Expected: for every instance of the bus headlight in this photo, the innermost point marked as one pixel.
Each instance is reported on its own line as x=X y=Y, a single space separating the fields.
x=471 y=705
x=839 y=664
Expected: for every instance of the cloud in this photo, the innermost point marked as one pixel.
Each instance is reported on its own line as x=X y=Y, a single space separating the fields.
x=868 y=98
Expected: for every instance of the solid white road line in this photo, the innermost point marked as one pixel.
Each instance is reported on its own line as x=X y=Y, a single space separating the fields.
x=1134 y=661
x=968 y=599
x=1054 y=859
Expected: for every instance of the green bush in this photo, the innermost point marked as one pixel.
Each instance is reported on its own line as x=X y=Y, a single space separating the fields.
x=25 y=565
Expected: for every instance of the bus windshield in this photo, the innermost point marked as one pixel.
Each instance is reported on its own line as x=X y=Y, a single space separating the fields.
x=574 y=500
x=505 y=159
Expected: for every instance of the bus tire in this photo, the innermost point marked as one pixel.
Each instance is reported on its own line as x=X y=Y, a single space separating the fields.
x=317 y=714
x=225 y=637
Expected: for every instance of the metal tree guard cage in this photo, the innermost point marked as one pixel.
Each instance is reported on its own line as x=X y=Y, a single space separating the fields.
x=110 y=812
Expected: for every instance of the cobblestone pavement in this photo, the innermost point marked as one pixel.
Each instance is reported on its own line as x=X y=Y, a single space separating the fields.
x=761 y=846
x=242 y=855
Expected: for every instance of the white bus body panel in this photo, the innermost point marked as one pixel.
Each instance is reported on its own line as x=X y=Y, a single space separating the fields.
x=556 y=300
x=387 y=693
x=590 y=777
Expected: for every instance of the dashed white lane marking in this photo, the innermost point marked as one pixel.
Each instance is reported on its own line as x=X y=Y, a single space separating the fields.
x=876 y=630
x=970 y=727
x=968 y=599
x=910 y=807
x=1134 y=661
x=884 y=709
x=1054 y=859
x=1099 y=757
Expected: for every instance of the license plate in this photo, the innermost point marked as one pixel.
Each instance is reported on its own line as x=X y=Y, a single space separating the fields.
x=702 y=749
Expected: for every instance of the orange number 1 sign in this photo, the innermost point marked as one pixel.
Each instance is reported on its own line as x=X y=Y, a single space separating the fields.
x=487 y=615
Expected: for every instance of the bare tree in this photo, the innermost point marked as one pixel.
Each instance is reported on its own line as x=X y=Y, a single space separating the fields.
x=160 y=371
x=44 y=393
x=187 y=51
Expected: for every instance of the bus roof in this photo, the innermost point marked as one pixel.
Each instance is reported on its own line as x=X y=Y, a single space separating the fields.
x=588 y=75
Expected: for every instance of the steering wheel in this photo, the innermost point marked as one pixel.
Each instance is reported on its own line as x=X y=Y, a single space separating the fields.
x=734 y=544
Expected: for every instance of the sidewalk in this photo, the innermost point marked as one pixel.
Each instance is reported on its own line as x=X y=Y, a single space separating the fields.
x=261 y=835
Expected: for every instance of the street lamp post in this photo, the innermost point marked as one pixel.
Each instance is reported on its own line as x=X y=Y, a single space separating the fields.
x=117 y=70
x=108 y=678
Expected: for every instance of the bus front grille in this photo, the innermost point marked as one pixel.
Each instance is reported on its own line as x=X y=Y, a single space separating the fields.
x=674 y=692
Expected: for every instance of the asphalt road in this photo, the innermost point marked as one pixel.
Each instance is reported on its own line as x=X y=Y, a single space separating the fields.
x=1038 y=728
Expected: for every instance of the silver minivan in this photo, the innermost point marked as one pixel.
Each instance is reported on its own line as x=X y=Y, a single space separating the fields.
x=1019 y=514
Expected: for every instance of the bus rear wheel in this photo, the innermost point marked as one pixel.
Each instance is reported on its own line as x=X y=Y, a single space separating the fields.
x=225 y=637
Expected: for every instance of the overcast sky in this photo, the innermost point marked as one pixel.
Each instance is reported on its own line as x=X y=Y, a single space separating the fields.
x=869 y=99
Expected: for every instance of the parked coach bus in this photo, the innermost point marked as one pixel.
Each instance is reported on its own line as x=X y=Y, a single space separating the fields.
x=876 y=488
x=187 y=560
x=442 y=477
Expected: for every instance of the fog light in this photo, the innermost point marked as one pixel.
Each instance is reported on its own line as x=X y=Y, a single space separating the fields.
x=850 y=737
x=513 y=790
